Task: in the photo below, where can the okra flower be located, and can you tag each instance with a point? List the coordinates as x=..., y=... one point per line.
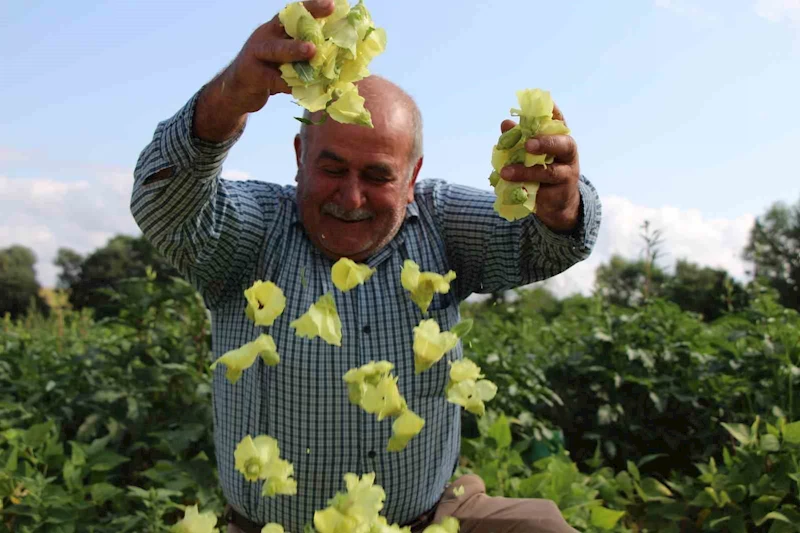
x=253, y=456
x=195, y=522
x=404, y=428
x=370, y=374
x=518, y=200
x=381, y=525
x=383, y=399
x=430, y=344
x=354, y=511
x=466, y=389
x=422, y=285
x=346, y=41
x=265, y=302
x=238, y=360
x=279, y=479
x=321, y=320
x=347, y=274
x=272, y=528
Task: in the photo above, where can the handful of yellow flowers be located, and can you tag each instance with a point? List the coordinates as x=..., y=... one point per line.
x=517, y=200
x=346, y=42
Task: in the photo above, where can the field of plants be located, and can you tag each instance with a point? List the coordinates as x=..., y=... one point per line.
x=631, y=418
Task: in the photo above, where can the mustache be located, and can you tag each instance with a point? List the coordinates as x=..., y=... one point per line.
x=355, y=215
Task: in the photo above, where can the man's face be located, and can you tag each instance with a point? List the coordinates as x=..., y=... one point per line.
x=354, y=183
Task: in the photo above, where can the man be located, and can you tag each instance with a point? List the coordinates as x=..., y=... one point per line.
x=356, y=196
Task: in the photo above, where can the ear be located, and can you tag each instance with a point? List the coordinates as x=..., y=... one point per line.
x=413, y=179
x=298, y=149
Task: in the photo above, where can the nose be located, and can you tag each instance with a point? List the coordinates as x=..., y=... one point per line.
x=350, y=194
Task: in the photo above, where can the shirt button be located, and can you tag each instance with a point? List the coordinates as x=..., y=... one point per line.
x=371, y=454
x=365, y=329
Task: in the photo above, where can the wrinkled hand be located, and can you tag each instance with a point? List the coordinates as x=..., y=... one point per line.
x=558, y=198
x=255, y=74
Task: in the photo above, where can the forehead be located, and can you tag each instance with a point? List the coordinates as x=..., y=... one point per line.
x=390, y=139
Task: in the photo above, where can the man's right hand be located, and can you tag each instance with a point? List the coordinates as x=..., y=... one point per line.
x=253, y=76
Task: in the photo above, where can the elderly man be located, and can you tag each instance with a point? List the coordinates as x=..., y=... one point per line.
x=356, y=196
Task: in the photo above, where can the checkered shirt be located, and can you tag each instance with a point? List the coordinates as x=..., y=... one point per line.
x=222, y=235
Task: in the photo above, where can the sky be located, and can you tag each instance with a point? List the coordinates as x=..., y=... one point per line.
x=685, y=112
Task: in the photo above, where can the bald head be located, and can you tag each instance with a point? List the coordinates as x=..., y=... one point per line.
x=384, y=99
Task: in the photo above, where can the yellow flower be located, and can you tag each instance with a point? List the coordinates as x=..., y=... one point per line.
x=511, y=205
x=464, y=369
x=349, y=109
x=422, y=285
x=534, y=103
x=459, y=491
x=278, y=474
x=383, y=399
x=265, y=302
x=195, y=522
x=430, y=344
x=272, y=528
x=290, y=17
x=321, y=320
x=449, y=524
x=346, y=274
x=253, y=456
x=404, y=428
x=238, y=360
x=358, y=379
x=471, y=394
x=354, y=511
x=313, y=97
x=381, y=525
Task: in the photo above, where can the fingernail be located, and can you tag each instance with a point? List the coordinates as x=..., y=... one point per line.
x=307, y=48
x=534, y=145
x=507, y=173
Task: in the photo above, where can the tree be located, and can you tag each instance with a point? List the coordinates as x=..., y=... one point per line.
x=774, y=250
x=707, y=291
x=123, y=257
x=70, y=262
x=628, y=283
x=18, y=285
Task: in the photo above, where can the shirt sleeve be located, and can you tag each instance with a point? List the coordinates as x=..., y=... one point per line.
x=491, y=254
x=207, y=227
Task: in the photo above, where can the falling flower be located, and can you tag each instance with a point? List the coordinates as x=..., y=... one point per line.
x=321, y=320
x=238, y=360
x=195, y=522
x=265, y=302
x=430, y=344
x=347, y=274
x=423, y=285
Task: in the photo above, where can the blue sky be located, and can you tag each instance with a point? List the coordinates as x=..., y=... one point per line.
x=682, y=105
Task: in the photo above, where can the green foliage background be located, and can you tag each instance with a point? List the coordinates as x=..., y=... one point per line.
x=644, y=418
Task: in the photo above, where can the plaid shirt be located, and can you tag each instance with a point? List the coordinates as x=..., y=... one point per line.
x=223, y=235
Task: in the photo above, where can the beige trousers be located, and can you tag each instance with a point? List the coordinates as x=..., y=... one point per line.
x=479, y=513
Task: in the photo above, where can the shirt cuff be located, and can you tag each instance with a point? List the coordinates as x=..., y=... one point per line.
x=582, y=238
x=181, y=145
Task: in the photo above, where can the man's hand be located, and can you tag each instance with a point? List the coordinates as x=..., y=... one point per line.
x=558, y=199
x=253, y=76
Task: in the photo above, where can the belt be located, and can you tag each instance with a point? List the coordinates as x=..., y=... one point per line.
x=230, y=516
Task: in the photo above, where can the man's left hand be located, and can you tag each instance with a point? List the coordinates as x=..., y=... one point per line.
x=558, y=199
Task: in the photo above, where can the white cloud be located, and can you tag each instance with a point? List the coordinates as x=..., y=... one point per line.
x=779, y=10
x=46, y=214
x=686, y=234
x=238, y=175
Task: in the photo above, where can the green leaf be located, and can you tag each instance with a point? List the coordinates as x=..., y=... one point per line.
x=763, y=506
x=107, y=460
x=462, y=328
x=304, y=71
x=774, y=515
x=791, y=433
x=647, y=458
x=605, y=518
x=501, y=432
x=739, y=431
x=634, y=471
x=37, y=434
x=655, y=490
x=770, y=443
x=103, y=492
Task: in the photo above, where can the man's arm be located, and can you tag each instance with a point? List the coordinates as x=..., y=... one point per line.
x=490, y=254
x=206, y=227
